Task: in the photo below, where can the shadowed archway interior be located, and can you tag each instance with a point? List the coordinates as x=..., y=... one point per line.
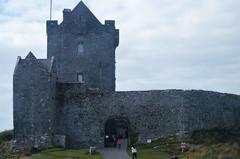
x=115, y=128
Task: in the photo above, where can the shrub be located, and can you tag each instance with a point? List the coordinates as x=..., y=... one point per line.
x=6, y=135
x=8, y=152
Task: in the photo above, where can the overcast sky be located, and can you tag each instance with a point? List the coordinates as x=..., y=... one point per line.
x=164, y=44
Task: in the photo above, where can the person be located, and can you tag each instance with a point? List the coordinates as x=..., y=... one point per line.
x=174, y=157
x=134, y=152
x=119, y=142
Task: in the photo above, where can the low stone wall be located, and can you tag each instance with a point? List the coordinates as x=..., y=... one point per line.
x=82, y=114
x=40, y=141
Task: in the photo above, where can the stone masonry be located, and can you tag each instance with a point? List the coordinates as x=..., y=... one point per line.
x=66, y=99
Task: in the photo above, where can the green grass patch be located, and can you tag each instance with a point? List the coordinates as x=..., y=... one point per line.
x=205, y=144
x=215, y=151
x=163, y=148
x=216, y=136
x=57, y=153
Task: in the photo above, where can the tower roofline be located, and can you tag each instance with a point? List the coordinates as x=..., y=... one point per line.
x=30, y=56
x=81, y=6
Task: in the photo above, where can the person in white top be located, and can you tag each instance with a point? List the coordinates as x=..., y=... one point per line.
x=134, y=152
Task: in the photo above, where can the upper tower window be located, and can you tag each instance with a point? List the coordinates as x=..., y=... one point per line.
x=80, y=48
x=80, y=78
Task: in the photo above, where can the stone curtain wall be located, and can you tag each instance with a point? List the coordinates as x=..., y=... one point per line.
x=82, y=113
x=206, y=110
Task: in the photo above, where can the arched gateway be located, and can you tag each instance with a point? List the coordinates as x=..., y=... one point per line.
x=115, y=128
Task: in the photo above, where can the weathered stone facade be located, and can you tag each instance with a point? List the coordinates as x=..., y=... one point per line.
x=80, y=29
x=34, y=87
x=52, y=106
x=82, y=113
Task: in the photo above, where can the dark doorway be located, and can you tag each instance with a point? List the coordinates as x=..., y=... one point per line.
x=115, y=128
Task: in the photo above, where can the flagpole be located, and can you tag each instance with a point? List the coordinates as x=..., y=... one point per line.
x=50, y=9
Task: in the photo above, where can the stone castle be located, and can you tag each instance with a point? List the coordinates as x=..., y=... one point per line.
x=69, y=99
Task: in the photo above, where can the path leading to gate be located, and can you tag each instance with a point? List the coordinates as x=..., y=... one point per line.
x=115, y=153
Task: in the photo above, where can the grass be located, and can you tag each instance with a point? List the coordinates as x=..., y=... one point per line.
x=210, y=144
x=7, y=152
x=163, y=148
x=205, y=144
x=215, y=151
x=57, y=153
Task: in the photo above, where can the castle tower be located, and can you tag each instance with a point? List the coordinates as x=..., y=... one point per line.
x=84, y=49
x=34, y=85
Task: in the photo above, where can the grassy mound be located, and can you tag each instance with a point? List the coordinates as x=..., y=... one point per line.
x=205, y=144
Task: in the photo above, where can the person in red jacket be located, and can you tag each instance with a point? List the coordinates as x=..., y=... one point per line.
x=119, y=142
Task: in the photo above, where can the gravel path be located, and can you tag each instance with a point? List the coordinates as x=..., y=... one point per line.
x=115, y=153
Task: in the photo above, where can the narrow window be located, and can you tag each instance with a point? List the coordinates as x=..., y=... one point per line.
x=80, y=18
x=80, y=48
x=80, y=78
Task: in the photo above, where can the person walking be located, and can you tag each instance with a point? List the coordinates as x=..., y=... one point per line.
x=119, y=142
x=134, y=152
